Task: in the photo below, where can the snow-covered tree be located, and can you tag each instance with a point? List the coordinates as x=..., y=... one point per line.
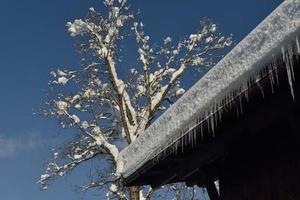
x=107, y=110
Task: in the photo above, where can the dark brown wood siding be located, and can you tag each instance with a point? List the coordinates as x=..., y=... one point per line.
x=267, y=168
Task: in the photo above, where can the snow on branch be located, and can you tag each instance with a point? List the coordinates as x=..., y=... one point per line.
x=102, y=40
x=196, y=51
x=104, y=109
x=76, y=157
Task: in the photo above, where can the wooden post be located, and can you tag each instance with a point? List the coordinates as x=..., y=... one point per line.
x=212, y=191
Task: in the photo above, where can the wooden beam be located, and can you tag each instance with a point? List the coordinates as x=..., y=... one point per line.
x=212, y=191
x=259, y=111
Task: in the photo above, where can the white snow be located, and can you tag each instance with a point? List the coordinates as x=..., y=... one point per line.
x=142, y=195
x=198, y=61
x=85, y=124
x=76, y=156
x=147, y=37
x=180, y=92
x=195, y=37
x=78, y=27
x=167, y=40
x=96, y=130
x=61, y=73
x=231, y=74
x=76, y=119
x=89, y=93
x=44, y=176
x=119, y=22
x=62, y=105
x=208, y=39
x=213, y=28
x=175, y=52
x=53, y=74
x=77, y=106
x=113, y=188
x=55, y=155
x=62, y=80
x=75, y=98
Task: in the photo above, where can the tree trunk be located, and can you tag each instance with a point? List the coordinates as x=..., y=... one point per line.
x=134, y=193
x=212, y=191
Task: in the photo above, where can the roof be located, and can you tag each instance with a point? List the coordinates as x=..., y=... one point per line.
x=277, y=34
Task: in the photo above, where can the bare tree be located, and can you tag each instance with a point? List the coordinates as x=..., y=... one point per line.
x=106, y=110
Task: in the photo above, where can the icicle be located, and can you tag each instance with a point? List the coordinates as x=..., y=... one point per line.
x=237, y=113
x=237, y=107
x=283, y=53
x=186, y=141
x=165, y=152
x=241, y=104
x=182, y=144
x=226, y=100
x=229, y=100
x=189, y=134
x=298, y=45
x=212, y=124
x=201, y=130
x=195, y=137
x=289, y=72
x=246, y=93
x=190, y=138
x=271, y=83
x=216, y=117
x=275, y=68
x=208, y=124
x=173, y=147
x=217, y=113
x=271, y=78
x=261, y=89
x=193, y=133
x=290, y=54
x=220, y=115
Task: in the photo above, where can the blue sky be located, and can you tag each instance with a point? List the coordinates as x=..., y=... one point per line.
x=33, y=41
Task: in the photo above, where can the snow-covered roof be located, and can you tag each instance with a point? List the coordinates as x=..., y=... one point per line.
x=275, y=35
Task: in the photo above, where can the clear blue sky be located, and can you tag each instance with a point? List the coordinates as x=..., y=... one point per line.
x=33, y=41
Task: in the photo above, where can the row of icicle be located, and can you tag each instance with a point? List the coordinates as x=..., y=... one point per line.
x=213, y=116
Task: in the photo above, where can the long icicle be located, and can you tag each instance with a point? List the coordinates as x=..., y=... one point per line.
x=289, y=71
x=298, y=45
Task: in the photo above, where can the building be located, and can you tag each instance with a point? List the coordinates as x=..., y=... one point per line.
x=239, y=124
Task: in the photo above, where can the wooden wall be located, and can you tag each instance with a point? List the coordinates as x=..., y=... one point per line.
x=264, y=166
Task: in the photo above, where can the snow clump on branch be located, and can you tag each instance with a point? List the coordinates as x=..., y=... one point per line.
x=78, y=27
x=107, y=110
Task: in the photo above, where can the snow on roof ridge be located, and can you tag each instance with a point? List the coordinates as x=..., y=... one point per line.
x=242, y=63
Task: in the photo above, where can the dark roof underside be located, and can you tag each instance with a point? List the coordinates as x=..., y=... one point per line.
x=194, y=162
